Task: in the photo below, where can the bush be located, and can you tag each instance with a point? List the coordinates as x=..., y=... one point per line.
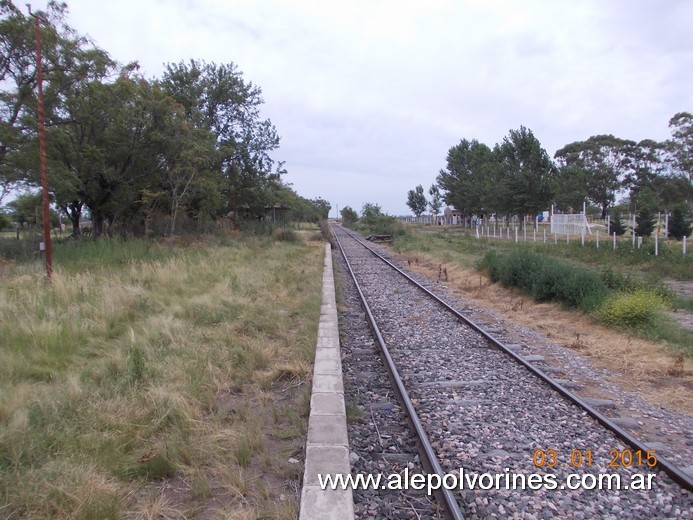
x=546, y=279
x=616, y=225
x=679, y=226
x=635, y=309
x=491, y=262
x=521, y=269
x=645, y=222
x=617, y=281
x=20, y=250
x=582, y=289
x=285, y=235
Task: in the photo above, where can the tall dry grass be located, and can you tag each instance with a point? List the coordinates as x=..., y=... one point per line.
x=131, y=372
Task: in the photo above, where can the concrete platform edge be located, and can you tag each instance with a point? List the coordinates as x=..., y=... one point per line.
x=327, y=447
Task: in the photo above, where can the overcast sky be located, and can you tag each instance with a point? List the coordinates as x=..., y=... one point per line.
x=369, y=95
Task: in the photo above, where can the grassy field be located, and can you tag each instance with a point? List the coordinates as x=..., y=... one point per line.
x=669, y=264
x=150, y=381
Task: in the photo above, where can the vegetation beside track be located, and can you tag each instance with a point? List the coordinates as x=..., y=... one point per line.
x=153, y=379
x=623, y=289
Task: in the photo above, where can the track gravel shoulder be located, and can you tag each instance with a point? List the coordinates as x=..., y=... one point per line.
x=457, y=402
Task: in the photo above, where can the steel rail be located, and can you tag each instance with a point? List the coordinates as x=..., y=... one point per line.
x=676, y=474
x=430, y=459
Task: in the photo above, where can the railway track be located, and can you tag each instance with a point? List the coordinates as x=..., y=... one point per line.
x=520, y=438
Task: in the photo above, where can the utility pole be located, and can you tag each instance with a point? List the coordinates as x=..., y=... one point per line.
x=42, y=152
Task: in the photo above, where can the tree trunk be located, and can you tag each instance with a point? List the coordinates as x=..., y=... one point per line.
x=97, y=221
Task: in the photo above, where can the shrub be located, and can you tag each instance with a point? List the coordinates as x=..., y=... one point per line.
x=617, y=281
x=616, y=225
x=582, y=289
x=285, y=235
x=634, y=309
x=20, y=250
x=645, y=222
x=548, y=281
x=491, y=263
x=679, y=226
x=521, y=269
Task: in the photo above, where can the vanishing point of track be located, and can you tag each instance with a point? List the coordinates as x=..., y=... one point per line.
x=475, y=403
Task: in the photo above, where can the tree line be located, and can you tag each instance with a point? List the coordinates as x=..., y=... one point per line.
x=139, y=154
x=518, y=177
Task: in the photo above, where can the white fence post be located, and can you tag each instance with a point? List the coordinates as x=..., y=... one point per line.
x=608, y=225
x=597, y=239
x=614, y=240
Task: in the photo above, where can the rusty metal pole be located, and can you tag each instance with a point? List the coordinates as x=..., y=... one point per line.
x=42, y=153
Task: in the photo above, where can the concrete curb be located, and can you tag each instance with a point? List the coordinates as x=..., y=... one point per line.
x=327, y=448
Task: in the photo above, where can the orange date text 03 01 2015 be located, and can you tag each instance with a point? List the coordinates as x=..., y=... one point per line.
x=582, y=458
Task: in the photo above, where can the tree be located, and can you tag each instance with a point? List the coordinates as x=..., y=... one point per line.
x=645, y=222
x=436, y=202
x=322, y=207
x=68, y=59
x=527, y=173
x=416, y=200
x=28, y=209
x=101, y=155
x=569, y=187
x=228, y=107
x=680, y=146
x=469, y=180
x=370, y=212
x=616, y=225
x=5, y=220
x=605, y=159
x=349, y=216
x=679, y=226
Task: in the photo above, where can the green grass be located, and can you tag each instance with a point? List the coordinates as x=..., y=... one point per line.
x=115, y=375
x=468, y=249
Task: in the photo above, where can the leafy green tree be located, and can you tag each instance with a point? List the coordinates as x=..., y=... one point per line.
x=468, y=182
x=416, y=200
x=18, y=105
x=679, y=226
x=569, y=188
x=229, y=107
x=680, y=146
x=101, y=158
x=605, y=159
x=349, y=216
x=527, y=173
x=370, y=212
x=5, y=220
x=436, y=202
x=322, y=208
x=28, y=209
